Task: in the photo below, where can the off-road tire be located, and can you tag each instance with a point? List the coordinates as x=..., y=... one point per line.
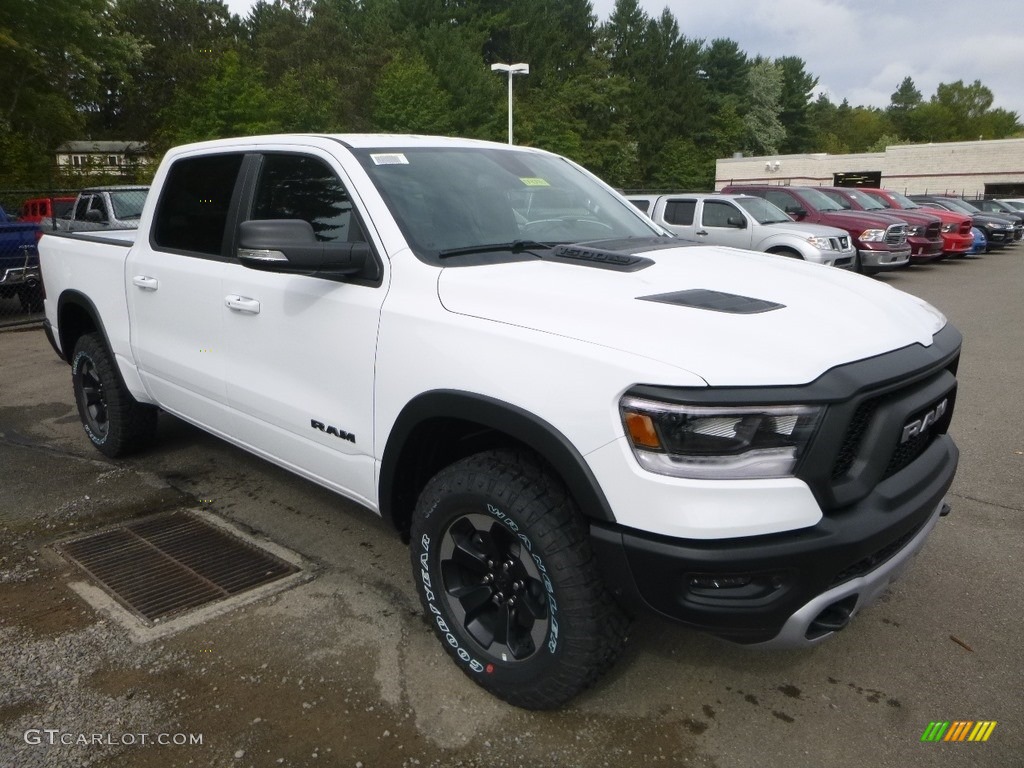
x=114, y=421
x=564, y=628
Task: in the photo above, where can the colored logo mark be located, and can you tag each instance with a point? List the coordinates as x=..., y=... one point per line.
x=959, y=730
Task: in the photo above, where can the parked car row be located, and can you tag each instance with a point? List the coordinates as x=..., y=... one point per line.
x=1000, y=228
x=95, y=208
x=866, y=229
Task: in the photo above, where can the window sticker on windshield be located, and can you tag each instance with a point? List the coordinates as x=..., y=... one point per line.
x=534, y=182
x=391, y=158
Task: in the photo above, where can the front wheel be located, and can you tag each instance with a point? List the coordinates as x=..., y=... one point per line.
x=504, y=569
x=115, y=422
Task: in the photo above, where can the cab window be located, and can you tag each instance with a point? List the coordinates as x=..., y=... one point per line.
x=192, y=212
x=680, y=212
x=302, y=187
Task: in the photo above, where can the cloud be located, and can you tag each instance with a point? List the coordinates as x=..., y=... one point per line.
x=861, y=50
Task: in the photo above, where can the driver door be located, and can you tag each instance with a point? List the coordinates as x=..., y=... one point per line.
x=300, y=349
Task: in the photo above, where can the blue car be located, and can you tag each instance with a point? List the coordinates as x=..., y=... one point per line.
x=980, y=242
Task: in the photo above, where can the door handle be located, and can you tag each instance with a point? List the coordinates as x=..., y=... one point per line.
x=702, y=232
x=242, y=304
x=146, y=283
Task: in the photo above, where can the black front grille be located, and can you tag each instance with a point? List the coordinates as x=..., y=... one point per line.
x=885, y=433
x=934, y=231
x=854, y=435
x=867, y=564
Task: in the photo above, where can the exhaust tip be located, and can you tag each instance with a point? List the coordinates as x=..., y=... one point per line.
x=833, y=618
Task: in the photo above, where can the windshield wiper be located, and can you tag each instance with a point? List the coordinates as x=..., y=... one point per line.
x=516, y=246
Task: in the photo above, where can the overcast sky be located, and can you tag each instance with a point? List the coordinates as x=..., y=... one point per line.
x=860, y=50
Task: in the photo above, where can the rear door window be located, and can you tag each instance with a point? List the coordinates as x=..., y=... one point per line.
x=192, y=213
x=680, y=212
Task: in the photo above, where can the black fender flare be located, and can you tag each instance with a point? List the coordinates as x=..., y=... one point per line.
x=78, y=299
x=525, y=427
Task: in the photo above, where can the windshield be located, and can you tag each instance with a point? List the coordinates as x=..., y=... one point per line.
x=763, y=211
x=903, y=201
x=866, y=201
x=127, y=203
x=820, y=201
x=960, y=205
x=449, y=199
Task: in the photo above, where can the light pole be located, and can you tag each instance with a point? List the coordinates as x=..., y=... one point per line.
x=512, y=69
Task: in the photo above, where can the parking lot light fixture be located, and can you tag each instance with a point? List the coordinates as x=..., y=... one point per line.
x=512, y=69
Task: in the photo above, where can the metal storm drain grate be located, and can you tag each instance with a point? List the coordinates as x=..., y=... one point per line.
x=171, y=563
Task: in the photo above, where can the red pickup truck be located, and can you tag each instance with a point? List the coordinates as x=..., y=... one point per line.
x=957, y=238
x=39, y=208
x=924, y=230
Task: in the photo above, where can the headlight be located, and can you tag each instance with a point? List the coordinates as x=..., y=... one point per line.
x=951, y=227
x=718, y=442
x=822, y=243
x=873, y=236
x=916, y=231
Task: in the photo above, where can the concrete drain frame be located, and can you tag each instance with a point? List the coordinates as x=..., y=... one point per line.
x=160, y=574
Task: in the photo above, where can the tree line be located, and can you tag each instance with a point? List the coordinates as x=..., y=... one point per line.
x=632, y=98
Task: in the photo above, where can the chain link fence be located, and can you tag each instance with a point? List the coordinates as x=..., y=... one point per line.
x=28, y=213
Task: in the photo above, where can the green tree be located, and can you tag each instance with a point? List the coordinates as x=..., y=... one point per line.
x=667, y=98
x=409, y=98
x=902, y=103
x=52, y=62
x=182, y=44
x=231, y=102
x=765, y=133
x=794, y=103
x=725, y=69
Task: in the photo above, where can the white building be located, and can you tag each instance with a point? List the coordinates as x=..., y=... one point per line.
x=962, y=168
x=112, y=156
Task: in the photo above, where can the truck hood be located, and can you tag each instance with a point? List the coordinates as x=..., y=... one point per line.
x=862, y=219
x=803, y=229
x=731, y=317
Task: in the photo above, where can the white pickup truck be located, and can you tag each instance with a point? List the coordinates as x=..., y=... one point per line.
x=568, y=413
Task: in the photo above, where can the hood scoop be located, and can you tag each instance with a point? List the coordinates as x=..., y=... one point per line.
x=716, y=301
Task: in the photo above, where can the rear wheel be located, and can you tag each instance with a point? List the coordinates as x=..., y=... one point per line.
x=115, y=422
x=504, y=569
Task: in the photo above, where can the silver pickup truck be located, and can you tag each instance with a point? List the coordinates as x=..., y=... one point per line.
x=102, y=208
x=744, y=221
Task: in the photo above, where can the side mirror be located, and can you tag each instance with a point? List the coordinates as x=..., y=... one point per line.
x=796, y=211
x=290, y=245
x=736, y=222
x=94, y=216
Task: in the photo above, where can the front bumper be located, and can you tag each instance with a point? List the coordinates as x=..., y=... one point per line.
x=15, y=276
x=923, y=250
x=884, y=259
x=774, y=589
x=955, y=244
